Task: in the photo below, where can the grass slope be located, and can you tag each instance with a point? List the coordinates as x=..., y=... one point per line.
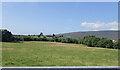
x=36, y=53
x=110, y=34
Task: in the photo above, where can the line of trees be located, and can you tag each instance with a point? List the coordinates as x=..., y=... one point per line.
x=90, y=41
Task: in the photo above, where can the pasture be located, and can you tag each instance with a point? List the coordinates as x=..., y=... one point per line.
x=40, y=53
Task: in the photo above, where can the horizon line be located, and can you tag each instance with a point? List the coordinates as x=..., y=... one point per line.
x=61, y=32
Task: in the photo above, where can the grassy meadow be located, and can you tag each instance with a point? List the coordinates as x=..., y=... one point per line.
x=40, y=53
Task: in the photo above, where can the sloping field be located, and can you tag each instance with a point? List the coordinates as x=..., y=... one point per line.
x=36, y=53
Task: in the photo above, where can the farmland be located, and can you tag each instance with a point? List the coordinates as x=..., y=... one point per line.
x=41, y=53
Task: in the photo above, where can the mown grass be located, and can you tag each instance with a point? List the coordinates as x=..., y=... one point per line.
x=39, y=53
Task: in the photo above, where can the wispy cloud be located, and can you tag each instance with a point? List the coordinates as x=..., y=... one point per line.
x=100, y=25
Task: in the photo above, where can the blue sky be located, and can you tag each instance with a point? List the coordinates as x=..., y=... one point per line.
x=58, y=17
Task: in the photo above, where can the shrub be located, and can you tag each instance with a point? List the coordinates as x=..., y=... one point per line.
x=7, y=36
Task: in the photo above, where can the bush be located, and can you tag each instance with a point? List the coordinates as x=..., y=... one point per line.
x=7, y=36
x=116, y=45
x=90, y=41
x=44, y=39
x=93, y=41
x=105, y=43
x=28, y=38
x=18, y=39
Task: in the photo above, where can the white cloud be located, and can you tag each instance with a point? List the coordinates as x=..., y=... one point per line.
x=101, y=25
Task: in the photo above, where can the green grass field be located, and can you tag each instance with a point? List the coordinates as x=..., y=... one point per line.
x=39, y=53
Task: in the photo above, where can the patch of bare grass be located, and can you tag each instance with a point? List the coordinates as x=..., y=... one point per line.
x=6, y=48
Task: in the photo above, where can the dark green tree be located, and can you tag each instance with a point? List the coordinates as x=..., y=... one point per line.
x=41, y=34
x=7, y=36
x=53, y=35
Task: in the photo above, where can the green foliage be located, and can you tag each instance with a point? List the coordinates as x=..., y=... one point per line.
x=90, y=41
x=105, y=43
x=116, y=45
x=55, y=38
x=18, y=38
x=41, y=34
x=68, y=40
x=93, y=41
x=53, y=35
x=44, y=39
x=7, y=36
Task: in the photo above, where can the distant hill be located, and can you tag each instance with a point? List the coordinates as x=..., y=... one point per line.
x=110, y=34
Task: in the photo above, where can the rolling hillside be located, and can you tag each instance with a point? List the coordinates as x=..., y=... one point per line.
x=110, y=34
